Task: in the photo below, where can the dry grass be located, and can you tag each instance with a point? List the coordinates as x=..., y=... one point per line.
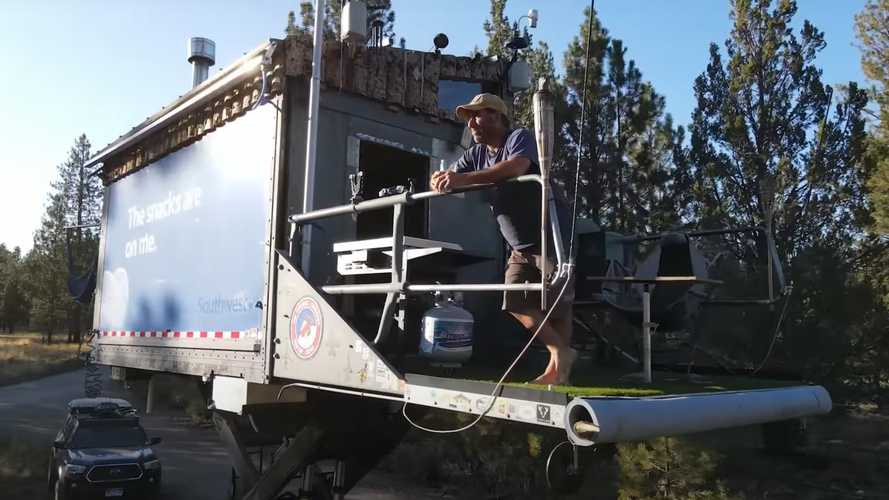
x=22, y=460
x=25, y=357
x=22, y=470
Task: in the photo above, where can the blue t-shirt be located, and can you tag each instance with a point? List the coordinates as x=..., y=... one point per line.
x=515, y=205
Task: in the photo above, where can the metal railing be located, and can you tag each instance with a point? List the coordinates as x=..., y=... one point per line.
x=399, y=284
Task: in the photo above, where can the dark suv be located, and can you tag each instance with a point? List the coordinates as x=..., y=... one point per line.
x=102, y=452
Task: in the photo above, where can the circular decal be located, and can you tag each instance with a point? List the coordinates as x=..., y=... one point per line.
x=306, y=328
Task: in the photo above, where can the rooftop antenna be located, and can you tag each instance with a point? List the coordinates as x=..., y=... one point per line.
x=201, y=55
x=312, y=131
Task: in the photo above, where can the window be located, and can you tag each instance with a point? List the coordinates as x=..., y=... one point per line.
x=385, y=167
x=452, y=93
x=107, y=434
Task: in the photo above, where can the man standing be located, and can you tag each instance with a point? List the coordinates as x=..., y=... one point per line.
x=499, y=154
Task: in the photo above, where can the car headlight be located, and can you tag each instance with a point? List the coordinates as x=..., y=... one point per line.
x=75, y=469
x=152, y=465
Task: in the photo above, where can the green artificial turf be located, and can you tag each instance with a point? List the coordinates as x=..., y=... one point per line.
x=595, y=380
x=613, y=384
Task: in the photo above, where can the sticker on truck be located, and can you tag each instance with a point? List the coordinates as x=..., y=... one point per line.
x=306, y=328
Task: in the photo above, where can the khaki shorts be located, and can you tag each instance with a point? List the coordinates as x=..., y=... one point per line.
x=525, y=267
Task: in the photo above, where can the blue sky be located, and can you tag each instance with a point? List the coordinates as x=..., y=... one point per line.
x=101, y=67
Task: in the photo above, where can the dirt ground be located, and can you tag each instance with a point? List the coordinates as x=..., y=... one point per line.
x=846, y=456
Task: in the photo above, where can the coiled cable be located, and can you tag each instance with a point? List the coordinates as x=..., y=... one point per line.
x=92, y=377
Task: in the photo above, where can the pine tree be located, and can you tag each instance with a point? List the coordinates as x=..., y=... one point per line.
x=667, y=469
x=870, y=345
x=763, y=142
x=769, y=149
x=47, y=270
x=498, y=30
x=626, y=162
x=74, y=202
x=13, y=302
x=627, y=172
x=379, y=13
x=332, y=10
x=872, y=28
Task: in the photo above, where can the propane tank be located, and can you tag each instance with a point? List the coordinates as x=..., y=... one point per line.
x=447, y=332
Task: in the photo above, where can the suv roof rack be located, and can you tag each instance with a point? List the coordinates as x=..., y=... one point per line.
x=101, y=407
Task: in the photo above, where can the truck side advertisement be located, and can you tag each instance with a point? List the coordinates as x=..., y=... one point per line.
x=186, y=241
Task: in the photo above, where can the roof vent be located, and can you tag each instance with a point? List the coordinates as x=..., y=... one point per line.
x=353, y=22
x=201, y=55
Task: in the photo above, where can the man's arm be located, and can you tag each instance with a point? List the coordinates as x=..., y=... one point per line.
x=499, y=172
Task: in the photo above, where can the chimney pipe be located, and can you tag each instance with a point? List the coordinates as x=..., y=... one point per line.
x=201, y=55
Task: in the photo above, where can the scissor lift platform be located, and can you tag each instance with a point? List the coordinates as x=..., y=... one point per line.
x=621, y=409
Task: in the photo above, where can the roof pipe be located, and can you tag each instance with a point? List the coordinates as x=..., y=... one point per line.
x=543, y=133
x=312, y=132
x=201, y=55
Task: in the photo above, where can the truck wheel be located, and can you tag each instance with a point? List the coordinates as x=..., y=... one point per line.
x=49, y=483
x=563, y=474
x=783, y=437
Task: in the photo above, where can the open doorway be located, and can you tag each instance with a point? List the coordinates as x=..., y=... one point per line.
x=386, y=167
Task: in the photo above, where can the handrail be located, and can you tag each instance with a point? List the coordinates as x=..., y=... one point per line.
x=409, y=198
x=372, y=288
x=395, y=199
x=399, y=285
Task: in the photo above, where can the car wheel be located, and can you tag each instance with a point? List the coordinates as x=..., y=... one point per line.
x=155, y=493
x=57, y=493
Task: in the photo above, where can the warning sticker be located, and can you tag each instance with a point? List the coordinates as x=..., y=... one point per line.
x=543, y=415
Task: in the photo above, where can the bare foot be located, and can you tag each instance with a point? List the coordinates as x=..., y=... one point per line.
x=548, y=378
x=550, y=374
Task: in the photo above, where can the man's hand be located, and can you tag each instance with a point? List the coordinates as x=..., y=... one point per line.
x=446, y=180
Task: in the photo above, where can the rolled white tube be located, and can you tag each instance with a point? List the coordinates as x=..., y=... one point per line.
x=634, y=419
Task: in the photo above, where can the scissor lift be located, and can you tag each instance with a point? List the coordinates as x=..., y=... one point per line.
x=353, y=365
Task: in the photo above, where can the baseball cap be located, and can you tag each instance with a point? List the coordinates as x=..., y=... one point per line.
x=481, y=101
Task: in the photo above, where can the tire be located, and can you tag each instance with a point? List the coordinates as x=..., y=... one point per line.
x=783, y=437
x=58, y=491
x=49, y=480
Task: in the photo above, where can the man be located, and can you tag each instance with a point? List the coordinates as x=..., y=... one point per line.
x=499, y=154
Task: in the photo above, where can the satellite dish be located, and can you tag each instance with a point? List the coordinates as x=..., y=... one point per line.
x=441, y=41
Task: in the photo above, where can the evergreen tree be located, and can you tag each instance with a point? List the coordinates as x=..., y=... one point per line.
x=379, y=13
x=46, y=270
x=498, y=30
x=332, y=11
x=667, y=469
x=872, y=28
x=74, y=202
x=627, y=168
x=82, y=204
x=767, y=149
x=763, y=141
x=13, y=302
